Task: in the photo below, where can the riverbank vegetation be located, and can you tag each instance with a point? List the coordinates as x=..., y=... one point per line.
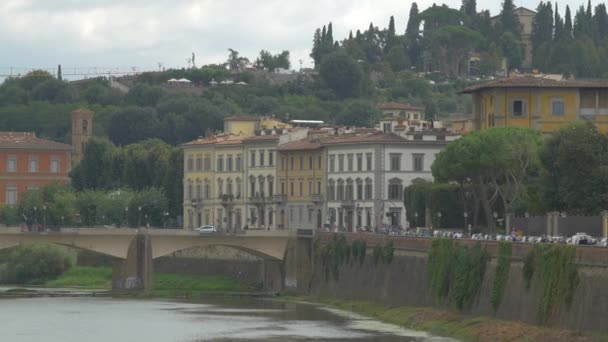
x=34, y=264
x=456, y=272
x=453, y=324
x=165, y=284
x=557, y=277
x=503, y=265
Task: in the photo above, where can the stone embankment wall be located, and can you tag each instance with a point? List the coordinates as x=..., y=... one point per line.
x=405, y=281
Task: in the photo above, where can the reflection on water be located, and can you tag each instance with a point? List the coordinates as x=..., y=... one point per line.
x=102, y=319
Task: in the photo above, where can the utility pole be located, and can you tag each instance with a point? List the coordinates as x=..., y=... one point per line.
x=193, y=61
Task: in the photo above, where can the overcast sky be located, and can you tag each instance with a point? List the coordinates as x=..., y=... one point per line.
x=141, y=33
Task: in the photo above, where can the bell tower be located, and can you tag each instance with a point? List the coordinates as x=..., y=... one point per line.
x=82, y=130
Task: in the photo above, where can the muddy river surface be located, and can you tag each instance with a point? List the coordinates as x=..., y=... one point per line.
x=116, y=320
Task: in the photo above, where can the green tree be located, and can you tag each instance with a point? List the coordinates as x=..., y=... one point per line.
x=272, y=62
x=511, y=49
x=508, y=19
x=235, y=61
x=342, y=74
x=567, y=186
x=358, y=113
x=133, y=124
x=94, y=170
x=494, y=164
x=144, y=95
x=412, y=36
x=397, y=58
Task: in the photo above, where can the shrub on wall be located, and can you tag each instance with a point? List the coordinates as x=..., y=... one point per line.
x=503, y=264
x=35, y=264
x=557, y=277
x=456, y=272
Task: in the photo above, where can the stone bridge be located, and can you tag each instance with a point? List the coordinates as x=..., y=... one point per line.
x=134, y=249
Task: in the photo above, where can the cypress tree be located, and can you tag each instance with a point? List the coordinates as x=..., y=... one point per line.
x=330, y=35
x=316, y=48
x=413, y=24
x=350, y=35
x=412, y=34
x=568, y=24
x=580, y=19
x=359, y=36
x=59, y=75
x=542, y=31
x=390, y=35
x=600, y=23
x=558, y=25
x=469, y=7
x=508, y=20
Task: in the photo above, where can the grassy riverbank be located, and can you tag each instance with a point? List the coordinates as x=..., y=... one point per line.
x=165, y=284
x=453, y=324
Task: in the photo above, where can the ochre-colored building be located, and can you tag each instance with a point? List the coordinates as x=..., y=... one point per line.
x=538, y=102
x=28, y=162
x=301, y=181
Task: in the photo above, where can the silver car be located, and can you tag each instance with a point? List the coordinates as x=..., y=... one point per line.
x=207, y=229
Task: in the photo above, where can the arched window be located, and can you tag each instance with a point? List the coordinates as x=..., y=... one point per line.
x=359, y=189
x=85, y=126
x=190, y=190
x=238, y=187
x=220, y=187
x=340, y=194
x=368, y=189
x=261, y=186
x=229, y=187
x=199, y=192
x=395, y=189
x=349, y=190
x=251, y=186
x=270, y=187
x=207, y=189
x=331, y=190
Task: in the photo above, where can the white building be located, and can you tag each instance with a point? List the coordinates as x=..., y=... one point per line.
x=366, y=175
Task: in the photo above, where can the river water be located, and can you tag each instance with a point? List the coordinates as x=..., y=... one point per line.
x=116, y=320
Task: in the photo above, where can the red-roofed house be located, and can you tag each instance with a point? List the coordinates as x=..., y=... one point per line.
x=28, y=162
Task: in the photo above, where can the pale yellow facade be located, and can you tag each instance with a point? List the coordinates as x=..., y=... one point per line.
x=302, y=182
x=544, y=109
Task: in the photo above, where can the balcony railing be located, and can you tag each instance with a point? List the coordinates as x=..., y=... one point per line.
x=318, y=198
x=348, y=203
x=280, y=199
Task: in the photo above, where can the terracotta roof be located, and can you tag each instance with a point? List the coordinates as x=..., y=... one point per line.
x=242, y=118
x=25, y=140
x=83, y=111
x=397, y=105
x=378, y=138
x=262, y=138
x=535, y=82
x=301, y=145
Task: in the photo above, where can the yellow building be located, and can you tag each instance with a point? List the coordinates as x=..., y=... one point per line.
x=539, y=102
x=301, y=184
x=199, y=175
x=249, y=125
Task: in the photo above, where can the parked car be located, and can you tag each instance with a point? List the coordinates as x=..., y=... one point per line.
x=582, y=239
x=207, y=229
x=604, y=242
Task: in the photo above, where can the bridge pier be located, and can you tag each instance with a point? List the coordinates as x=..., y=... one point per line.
x=135, y=273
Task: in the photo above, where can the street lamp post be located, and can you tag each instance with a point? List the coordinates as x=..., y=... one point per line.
x=166, y=216
x=36, y=218
x=439, y=219
x=44, y=217
x=126, y=216
x=139, y=217
x=416, y=219
x=466, y=221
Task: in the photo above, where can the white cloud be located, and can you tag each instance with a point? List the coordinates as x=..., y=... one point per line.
x=143, y=32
